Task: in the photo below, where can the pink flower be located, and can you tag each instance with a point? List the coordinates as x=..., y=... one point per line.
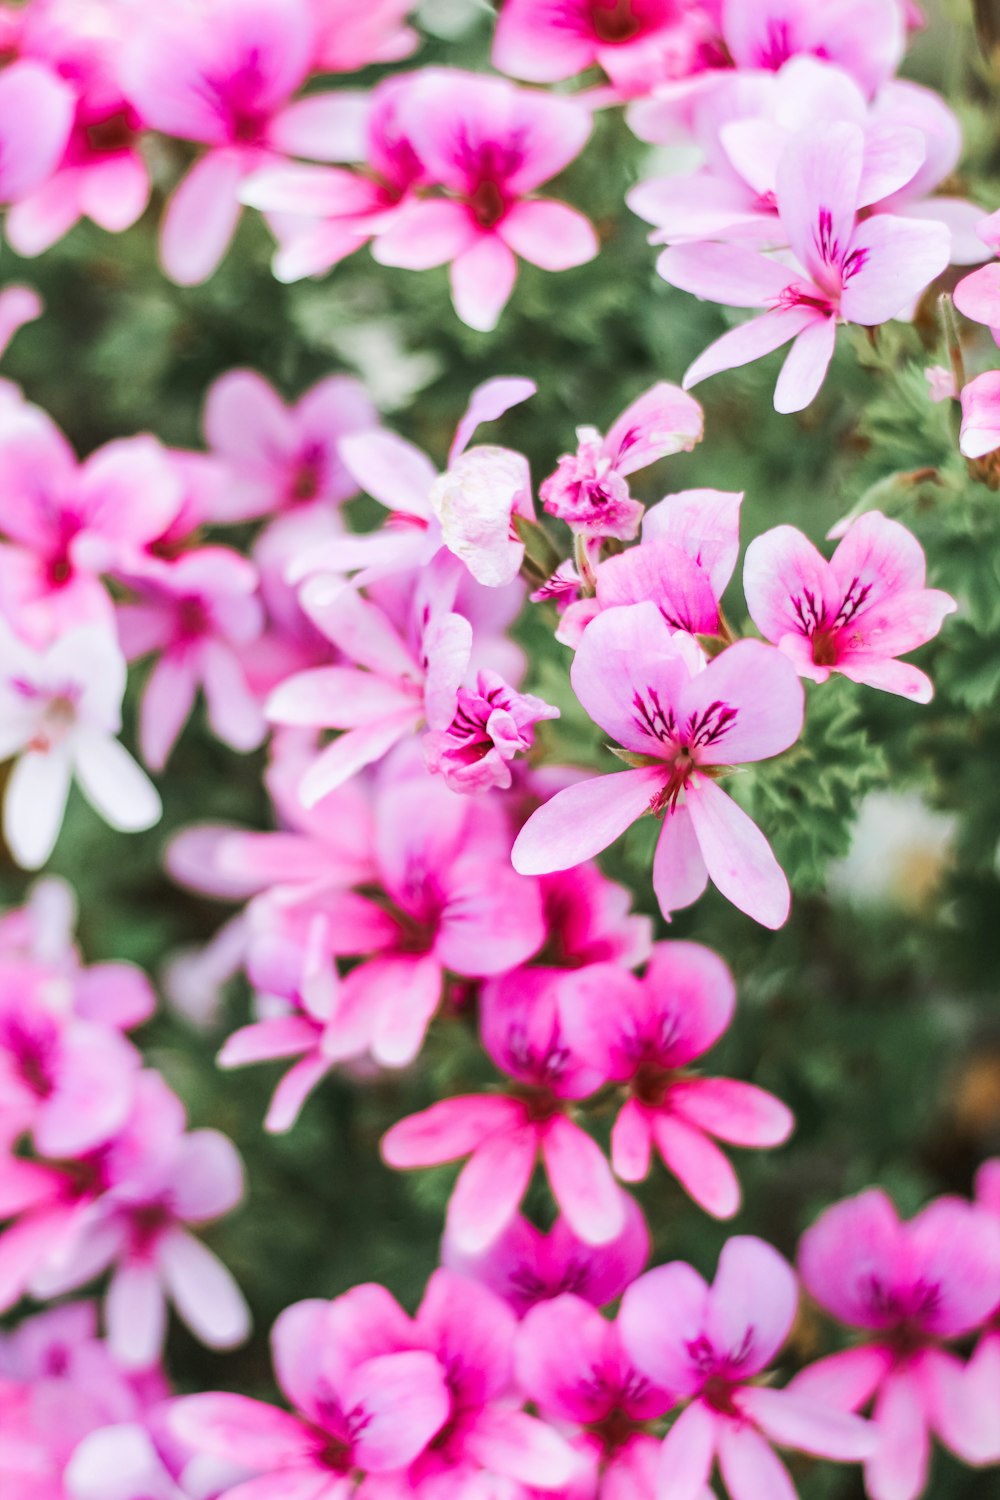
x=155, y=1179
x=66, y=1082
x=572, y=1364
x=690, y=543
x=864, y=37
x=60, y=711
x=983, y=1370
x=68, y=522
x=493, y=723
x=224, y=79
x=101, y=174
x=404, y=480
x=856, y=270
x=503, y=1134
x=980, y=400
x=471, y=1333
x=707, y=1344
x=589, y=489
x=282, y=457
x=320, y=215
x=680, y=720
x=397, y=681
x=911, y=1286
x=196, y=613
x=940, y=384
x=366, y=1398
x=645, y=1034
x=526, y=1267
x=589, y=920
x=350, y=37
x=489, y=144
x=36, y=113
x=637, y=44
x=854, y=614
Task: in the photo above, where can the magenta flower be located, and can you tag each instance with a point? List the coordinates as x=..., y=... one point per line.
x=646, y=1034
x=638, y=43
x=589, y=490
x=68, y=522
x=681, y=722
x=690, y=543
x=493, y=723
x=396, y=683
x=471, y=1333
x=197, y=614
x=912, y=1287
x=36, y=115
x=366, y=1399
x=225, y=80
x=707, y=1344
x=572, y=1364
x=503, y=1134
x=864, y=37
x=526, y=1267
x=350, y=37
x=489, y=145
x=282, y=457
x=60, y=712
x=589, y=920
x=854, y=614
x=403, y=479
x=857, y=270
x=153, y=1180
x=980, y=400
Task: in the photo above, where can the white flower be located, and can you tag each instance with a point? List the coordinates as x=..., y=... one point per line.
x=60, y=713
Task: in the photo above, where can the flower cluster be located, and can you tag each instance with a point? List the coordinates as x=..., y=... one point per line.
x=100, y=1172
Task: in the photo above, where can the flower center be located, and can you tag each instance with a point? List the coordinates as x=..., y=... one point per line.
x=614, y=20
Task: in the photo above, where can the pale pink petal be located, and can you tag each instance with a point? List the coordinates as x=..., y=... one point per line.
x=764, y=688
x=562, y=1345
x=665, y=573
x=208, y=1176
x=901, y=258
x=203, y=1291
x=845, y=1381
x=752, y=1303
x=898, y=1468
x=426, y=234
x=796, y=1421
x=200, y=218
x=664, y=420
x=631, y=1142
x=956, y=1247
x=490, y=1188
x=447, y=1130
x=687, y=1454
x=323, y=127
x=625, y=650
x=750, y=341
x=750, y=1468
x=581, y=1182
x=37, y=222
x=448, y=647
x=404, y=1002
x=541, y=45
x=958, y=1410
x=982, y=1382
x=783, y=569
x=817, y=184
x=680, y=874
x=282, y=1036
x=729, y=274
x=401, y=1401
x=487, y=403
x=581, y=820
x=394, y=472
x=662, y=1315
x=166, y=705
x=805, y=366
x=482, y=279
x=115, y=192
x=362, y=631
x=549, y=234
x=336, y=698
x=234, y=714
x=739, y=859
x=247, y=422
x=113, y=784
x=520, y=1447
x=698, y=1164
x=978, y=295
x=293, y=1091
x=36, y=112
x=981, y=415
x=247, y=1433
x=136, y=1315
x=890, y=677
x=349, y=753
x=733, y=1111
